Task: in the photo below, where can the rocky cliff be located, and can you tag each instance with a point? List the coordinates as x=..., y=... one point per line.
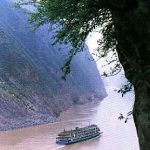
x=31, y=89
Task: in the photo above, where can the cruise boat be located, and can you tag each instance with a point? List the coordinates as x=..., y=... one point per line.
x=78, y=135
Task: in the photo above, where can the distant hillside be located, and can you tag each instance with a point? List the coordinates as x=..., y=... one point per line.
x=31, y=89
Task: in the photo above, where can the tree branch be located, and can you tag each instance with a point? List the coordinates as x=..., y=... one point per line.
x=117, y=4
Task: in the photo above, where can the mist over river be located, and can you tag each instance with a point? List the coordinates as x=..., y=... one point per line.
x=117, y=135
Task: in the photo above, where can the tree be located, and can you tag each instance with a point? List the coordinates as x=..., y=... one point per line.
x=126, y=29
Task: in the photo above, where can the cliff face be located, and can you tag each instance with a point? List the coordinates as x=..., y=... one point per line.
x=31, y=89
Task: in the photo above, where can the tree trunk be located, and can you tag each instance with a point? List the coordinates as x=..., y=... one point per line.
x=132, y=31
x=141, y=113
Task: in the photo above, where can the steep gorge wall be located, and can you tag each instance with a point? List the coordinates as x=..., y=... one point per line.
x=31, y=89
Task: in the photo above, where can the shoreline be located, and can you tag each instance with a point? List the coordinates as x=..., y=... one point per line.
x=35, y=120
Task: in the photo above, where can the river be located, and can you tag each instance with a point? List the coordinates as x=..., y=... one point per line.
x=117, y=135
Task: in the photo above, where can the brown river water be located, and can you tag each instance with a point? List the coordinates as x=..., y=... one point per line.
x=117, y=135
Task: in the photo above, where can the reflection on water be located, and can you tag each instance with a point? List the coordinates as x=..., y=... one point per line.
x=117, y=135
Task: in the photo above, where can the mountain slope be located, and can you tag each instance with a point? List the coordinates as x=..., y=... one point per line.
x=31, y=89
